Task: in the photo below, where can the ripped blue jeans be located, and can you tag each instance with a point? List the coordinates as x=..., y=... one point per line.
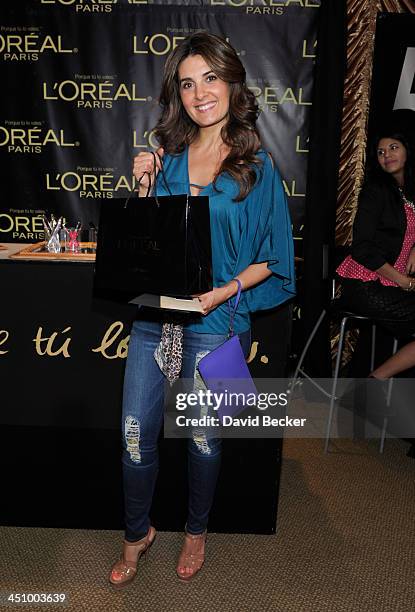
x=143, y=407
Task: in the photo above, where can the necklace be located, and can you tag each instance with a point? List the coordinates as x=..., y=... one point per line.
x=405, y=199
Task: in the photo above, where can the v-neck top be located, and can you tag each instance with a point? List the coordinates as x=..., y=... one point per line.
x=255, y=230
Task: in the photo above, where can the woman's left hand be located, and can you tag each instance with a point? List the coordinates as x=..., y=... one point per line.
x=410, y=266
x=212, y=299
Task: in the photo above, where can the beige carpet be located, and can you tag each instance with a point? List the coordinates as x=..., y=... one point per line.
x=345, y=543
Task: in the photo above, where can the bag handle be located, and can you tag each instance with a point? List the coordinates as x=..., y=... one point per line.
x=137, y=184
x=138, y=181
x=154, y=153
x=233, y=305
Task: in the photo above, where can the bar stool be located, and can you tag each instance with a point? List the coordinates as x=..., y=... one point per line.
x=345, y=316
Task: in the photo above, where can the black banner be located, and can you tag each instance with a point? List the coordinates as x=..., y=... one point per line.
x=80, y=85
x=393, y=80
x=82, y=79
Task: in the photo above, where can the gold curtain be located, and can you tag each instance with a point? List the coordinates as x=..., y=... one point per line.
x=360, y=44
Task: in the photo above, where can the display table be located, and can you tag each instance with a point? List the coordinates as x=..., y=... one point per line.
x=62, y=359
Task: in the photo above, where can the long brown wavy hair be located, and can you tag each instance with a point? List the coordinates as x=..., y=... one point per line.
x=175, y=129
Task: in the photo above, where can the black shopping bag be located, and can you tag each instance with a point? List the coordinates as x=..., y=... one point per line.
x=159, y=245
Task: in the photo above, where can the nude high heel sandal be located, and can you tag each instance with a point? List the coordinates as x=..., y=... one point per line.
x=192, y=556
x=124, y=570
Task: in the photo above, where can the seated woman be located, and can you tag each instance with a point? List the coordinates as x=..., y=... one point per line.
x=377, y=276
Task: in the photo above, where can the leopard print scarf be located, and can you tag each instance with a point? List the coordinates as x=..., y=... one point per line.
x=169, y=352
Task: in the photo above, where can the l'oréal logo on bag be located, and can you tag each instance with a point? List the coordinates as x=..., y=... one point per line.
x=145, y=245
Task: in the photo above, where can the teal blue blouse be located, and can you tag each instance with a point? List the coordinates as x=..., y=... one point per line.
x=255, y=230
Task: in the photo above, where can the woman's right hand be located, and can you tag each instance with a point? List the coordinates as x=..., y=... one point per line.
x=410, y=264
x=402, y=280
x=406, y=282
x=144, y=162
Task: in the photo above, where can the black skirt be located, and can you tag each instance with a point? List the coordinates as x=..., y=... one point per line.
x=391, y=307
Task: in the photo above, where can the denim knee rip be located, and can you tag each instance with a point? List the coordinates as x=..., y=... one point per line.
x=132, y=438
x=198, y=434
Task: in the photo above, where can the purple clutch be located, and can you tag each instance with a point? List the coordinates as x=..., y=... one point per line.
x=224, y=370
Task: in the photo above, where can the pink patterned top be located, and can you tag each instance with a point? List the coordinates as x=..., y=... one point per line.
x=349, y=268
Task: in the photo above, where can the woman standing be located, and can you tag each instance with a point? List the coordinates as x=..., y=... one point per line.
x=209, y=146
x=378, y=276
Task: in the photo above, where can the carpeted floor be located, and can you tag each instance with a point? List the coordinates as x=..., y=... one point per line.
x=345, y=543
